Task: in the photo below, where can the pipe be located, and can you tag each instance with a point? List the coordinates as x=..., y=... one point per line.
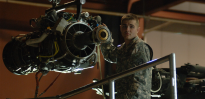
x=112, y=89
x=173, y=78
x=37, y=40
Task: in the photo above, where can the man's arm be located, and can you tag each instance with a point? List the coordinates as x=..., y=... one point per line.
x=109, y=52
x=143, y=78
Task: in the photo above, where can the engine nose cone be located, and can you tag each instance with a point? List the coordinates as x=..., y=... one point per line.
x=103, y=34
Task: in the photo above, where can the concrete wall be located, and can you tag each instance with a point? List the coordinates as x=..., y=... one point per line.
x=186, y=41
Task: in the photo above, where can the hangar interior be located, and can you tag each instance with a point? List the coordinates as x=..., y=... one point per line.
x=168, y=26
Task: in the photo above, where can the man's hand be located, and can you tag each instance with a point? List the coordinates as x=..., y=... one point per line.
x=102, y=33
x=95, y=29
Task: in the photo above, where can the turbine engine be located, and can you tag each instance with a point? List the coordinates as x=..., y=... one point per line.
x=63, y=42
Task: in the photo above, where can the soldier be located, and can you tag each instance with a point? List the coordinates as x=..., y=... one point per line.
x=131, y=53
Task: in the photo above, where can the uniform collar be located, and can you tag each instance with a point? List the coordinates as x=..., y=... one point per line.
x=134, y=40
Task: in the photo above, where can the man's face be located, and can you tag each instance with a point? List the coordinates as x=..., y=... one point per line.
x=129, y=29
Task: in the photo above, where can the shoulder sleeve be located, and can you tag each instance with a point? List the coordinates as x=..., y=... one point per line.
x=147, y=52
x=109, y=52
x=150, y=51
x=140, y=54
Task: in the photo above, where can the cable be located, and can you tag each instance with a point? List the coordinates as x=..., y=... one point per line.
x=160, y=78
x=37, y=84
x=50, y=85
x=56, y=50
x=40, y=78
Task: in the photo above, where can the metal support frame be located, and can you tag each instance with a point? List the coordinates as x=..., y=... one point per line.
x=112, y=89
x=111, y=79
x=172, y=66
x=173, y=79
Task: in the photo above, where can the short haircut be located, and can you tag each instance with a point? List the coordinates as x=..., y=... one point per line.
x=130, y=16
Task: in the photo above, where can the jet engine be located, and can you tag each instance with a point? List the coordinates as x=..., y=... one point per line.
x=62, y=42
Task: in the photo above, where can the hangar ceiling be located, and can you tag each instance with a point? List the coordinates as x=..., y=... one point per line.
x=179, y=11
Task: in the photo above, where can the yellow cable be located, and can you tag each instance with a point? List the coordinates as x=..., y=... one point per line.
x=69, y=19
x=56, y=51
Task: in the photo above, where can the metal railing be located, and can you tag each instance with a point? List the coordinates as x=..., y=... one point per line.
x=111, y=79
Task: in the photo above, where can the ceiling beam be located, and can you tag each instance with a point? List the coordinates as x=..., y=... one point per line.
x=164, y=7
x=179, y=16
x=185, y=12
x=130, y=4
x=197, y=1
x=106, y=5
x=142, y=7
x=15, y=15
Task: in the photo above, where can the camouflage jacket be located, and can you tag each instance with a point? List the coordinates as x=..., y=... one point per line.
x=135, y=86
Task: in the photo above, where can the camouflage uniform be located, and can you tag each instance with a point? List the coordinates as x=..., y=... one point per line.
x=135, y=86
